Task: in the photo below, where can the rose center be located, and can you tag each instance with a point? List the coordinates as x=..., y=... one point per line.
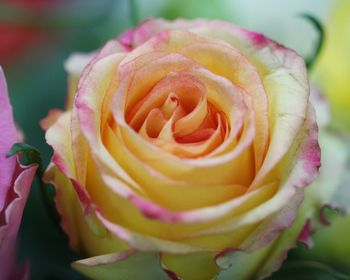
x=176, y=116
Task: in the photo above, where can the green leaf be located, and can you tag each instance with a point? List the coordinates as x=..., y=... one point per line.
x=29, y=155
x=310, y=61
x=305, y=270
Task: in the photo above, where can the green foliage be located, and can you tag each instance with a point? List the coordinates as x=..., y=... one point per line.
x=308, y=270
x=29, y=155
x=310, y=61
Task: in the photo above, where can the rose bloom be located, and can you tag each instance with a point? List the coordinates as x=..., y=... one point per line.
x=185, y=153
x=15, y=182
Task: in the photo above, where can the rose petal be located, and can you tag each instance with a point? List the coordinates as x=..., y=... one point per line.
x=13, y=216
x=9, y=136
x=75, y=222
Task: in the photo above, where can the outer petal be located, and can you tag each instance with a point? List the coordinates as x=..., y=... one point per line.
x=150, y=27
x=74, y=66
x=333, y=182
x=17, y=198
x=79, y=223
x=85, y=234
x=261, y=263
x=306, y=161
x=8, y=137
x=269, y=232
x=332, y=189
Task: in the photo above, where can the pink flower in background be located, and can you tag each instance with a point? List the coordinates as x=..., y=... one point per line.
x=18, y=38
x=15, y=182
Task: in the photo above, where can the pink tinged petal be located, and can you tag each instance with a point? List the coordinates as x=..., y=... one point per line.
x=310, y=151
x=110, y=48
x=126, y=39
x=263, y=252
x=150, y=27
x=179, y=168
x=123, y=265
x=278, y=67
x=78, y=219
x=74, y=66
x=79, y=148
x=304, y=171
x=280, y=231
x=65, y=203
x=239, y=70
x=12, y=219
x=333, y=182
x=144, y=242
x=288, y=111
x=195, y=266
x=58, y=136
x=89, y=106
x=8, y=137
x=22, y=272
x=206, y=51
x=305, y=235
x=167, y=192
x=89, y=209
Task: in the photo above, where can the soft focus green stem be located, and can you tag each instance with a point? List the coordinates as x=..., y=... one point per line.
x=310, y=61
x=133, y=12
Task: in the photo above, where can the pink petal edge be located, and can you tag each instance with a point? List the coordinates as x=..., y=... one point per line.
x=13, y=216
x=9, y=136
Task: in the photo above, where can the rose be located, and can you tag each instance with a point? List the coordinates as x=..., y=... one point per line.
x=187, y=150
x=112, y=183
x=15, y=182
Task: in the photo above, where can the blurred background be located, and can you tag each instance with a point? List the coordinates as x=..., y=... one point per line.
x=37, y=36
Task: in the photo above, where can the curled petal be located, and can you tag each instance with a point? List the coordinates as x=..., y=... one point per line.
x=12, y=217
